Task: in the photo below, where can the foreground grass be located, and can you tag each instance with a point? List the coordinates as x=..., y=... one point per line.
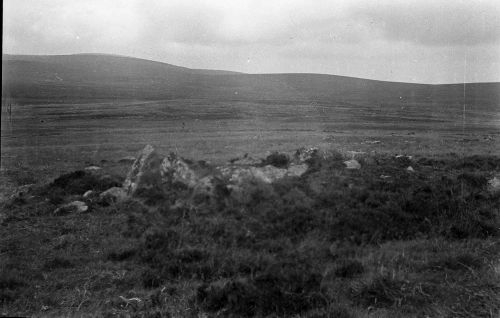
x=376, y=242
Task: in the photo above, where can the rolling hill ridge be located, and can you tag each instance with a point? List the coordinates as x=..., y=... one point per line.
x=99, y=77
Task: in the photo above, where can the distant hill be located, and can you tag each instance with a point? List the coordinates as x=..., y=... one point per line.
x=99, y=77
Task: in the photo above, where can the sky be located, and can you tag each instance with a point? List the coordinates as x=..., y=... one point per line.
x=423, y=41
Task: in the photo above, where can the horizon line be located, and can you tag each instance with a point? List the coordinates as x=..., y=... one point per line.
x=245, y=73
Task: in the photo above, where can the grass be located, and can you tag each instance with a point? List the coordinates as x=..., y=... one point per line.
x=331, y=243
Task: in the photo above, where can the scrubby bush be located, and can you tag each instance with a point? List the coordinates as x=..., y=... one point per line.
x=272, y=292
x=122, y=255
x=349, y=269
x=11, y=283
x=279, y=160
x=78, y=182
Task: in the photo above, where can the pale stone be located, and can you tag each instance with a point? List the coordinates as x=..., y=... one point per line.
x=352, y=164
x=72, y=207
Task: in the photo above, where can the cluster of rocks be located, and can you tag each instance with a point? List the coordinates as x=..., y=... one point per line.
x=151, y=170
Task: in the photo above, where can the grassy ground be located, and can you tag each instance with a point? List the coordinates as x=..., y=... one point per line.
x=375, y=242
x=39, y=142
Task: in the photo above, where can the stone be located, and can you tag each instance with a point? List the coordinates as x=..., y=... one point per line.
x=352, y=164
x=268, y=174
x=296, y=170
x=410, y=169
x=494, y=185
x=88, y=194
x=72, y=207
x=304, y=154
x=145, y=171
x=113, y=195
x=404, y=157
x=175, y=169
x=93, y=168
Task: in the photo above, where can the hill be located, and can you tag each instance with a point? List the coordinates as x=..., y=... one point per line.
x=96, y=77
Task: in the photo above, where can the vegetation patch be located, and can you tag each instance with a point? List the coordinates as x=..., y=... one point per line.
x=279, y=160
x=380, y=241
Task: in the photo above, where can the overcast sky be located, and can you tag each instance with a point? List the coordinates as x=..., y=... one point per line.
x=434, y=41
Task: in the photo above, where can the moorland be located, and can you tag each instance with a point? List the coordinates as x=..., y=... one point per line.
x=379, y=241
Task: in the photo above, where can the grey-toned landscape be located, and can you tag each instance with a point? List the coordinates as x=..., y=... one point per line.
x=246, y=185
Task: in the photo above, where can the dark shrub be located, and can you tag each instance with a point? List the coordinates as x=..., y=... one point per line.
x=151, y=278
x=279, y=160
x=58, y=262
x=160, y=241
x=485, y=163
x=349, y=269
x=474, y=179
x=11, y=285
x=78, y=182
x=281, y=292
x=154, y=195
x=237, y=296
x=381, y=292
x=122, y=255
x=191, y=255
x=384, y=292
x=472, y=227
x=56, y=196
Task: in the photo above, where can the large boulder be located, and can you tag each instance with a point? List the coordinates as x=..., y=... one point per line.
x=150, y=170
x=175, y=169
x=145, y=172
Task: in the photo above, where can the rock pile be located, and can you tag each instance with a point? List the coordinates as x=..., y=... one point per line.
x=151, y=170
